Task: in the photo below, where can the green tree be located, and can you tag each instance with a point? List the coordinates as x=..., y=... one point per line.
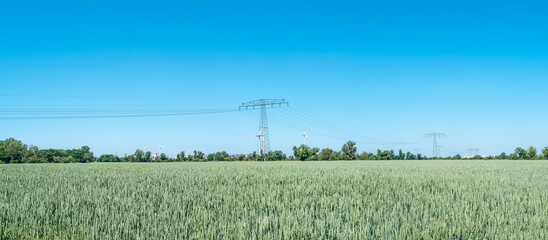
x=220, y=156
x=148, y=156
x=199, y=155
x=336, y=155
x=313, y=154
x=108, y=158
x=12, y=151
x=81, y=155
x=410, y=156
x=384, y=155
x=325, y=154
x=252, y=156
x=366, y=156
x=127, y=158
x=503, y=156
x=545, y=152
x=31, y=155
x=532, y=153
x=304, y=153
x=349, y=150
x=521, y=153
x=139, y=156
x=301, y=153
x=401, y=155
x=276, y=156
x=181, y=156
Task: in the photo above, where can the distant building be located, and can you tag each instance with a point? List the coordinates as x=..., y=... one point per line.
x=482, y=156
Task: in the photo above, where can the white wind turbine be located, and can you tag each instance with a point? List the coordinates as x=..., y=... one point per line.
x=261, y=141
x=160, y=148
x=156, y=155
x=305, y=137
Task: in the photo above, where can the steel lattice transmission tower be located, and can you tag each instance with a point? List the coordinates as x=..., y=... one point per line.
x=264, y=141
x=473, y=150
x=435, y=148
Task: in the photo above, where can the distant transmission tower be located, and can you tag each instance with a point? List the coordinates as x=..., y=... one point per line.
x=439, y=150
x=264, y=140
x=473, y=150
x=434, y=136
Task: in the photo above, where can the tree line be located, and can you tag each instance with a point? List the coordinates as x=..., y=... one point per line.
x=14, y=151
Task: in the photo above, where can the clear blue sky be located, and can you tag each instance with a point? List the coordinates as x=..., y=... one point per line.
x=389, y=71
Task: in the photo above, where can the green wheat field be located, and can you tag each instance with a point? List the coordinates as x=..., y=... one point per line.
x=276, y=200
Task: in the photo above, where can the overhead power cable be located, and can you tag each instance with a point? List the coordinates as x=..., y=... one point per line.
x=293, y=118
x=96, y=111
x=147, y=97
x=94, y=116
x=355, y=129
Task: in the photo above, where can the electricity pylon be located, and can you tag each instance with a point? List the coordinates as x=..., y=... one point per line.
x=264, y=141
x=473, y=150
x=434, y=136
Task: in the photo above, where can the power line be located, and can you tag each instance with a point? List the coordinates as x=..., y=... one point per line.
x=358, y=134
x=263, y=134
x=144, y=97
x=310, y=115
x=353, y=128
x=314, y=121
x=434, y=136
x=473, y=150
x=96, y=111
x=331, y=128
x=294, y=125
x=120, y=115
x=291, y=118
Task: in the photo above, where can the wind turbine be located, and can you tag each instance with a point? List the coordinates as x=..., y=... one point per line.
x=305, y=137
x=261, y=141
x=146, y=149
x=156, y=155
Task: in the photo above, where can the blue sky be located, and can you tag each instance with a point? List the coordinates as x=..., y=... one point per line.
x=379, y=73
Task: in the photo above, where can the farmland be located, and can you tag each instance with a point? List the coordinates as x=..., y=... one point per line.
x=278, y=200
